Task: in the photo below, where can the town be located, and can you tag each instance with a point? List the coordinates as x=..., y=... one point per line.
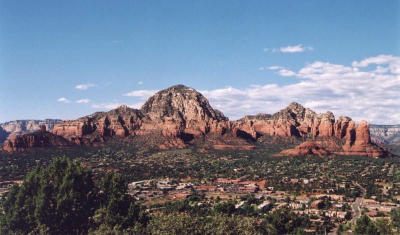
x=331, y=192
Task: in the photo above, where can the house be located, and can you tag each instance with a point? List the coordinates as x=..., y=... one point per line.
x=369, y=202
x=206, y=188
x=179, y=196
x=248, y=188
x=224, y=181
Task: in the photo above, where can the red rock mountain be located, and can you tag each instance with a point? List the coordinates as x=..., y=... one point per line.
x=41, y=138
x=180, y=115
x=341, y=136
x=11, y=129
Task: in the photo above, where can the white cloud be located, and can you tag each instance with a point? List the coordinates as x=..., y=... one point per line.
x=283, y=71
x=84, y=86
x=261, y=68
x=140, y=83
x=391, y=61
x=286, y=73
x=143, y=94
x=114, y=105
x=274, y=67
x=83, y=101
x=380, y=59
x=371, y=94
x=291, y=49
x=63, y=100
x=296, y=48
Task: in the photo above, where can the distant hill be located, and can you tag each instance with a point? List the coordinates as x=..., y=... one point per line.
x=19, y=127
x=385, y=134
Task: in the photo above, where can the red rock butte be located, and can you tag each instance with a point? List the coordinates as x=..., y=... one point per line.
x=180, y=115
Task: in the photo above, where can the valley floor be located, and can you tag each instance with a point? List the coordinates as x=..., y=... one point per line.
x=329, y=191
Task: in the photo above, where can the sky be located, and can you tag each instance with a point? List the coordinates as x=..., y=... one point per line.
x=67, y=59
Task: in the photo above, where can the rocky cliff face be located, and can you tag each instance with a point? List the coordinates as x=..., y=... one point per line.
x=182, y=110
x=40, y=138
x=180, y=115
x=307, y=148
x=122, y=122
x=295, y=120
x=29, y=125
x=385, y=134
x=19, y=127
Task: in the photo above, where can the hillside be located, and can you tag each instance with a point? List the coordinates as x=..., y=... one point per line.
x=387, y=134
x=18, y=127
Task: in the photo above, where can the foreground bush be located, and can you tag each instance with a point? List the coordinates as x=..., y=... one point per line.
x=63, y=199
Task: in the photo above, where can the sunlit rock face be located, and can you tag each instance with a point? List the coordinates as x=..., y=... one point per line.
x=11, y=129
x=40, y=138
x=297, y=121
x=180, y=115
x=180, y=109
x=179, y=112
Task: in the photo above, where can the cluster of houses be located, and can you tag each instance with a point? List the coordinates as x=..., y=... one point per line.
x=339, y=209
x=149, y=189
x=374, y=208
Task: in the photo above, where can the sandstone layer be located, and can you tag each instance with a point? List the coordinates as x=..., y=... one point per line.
x=12, y=129
x=341, y=136
x=306, y=148
x=180, y=115
x=41, y=138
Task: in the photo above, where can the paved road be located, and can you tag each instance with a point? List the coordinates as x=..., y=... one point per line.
x=356, y=209
x=356, y=206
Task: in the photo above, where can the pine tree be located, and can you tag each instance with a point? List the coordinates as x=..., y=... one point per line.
x=57, y=199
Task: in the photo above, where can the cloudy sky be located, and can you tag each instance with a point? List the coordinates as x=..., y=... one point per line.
x=66, y=59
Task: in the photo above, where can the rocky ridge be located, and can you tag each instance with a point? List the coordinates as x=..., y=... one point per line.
x=385, y=134
x=11, y=129
x=40, y=138
x=341, y=136
x=181, y=115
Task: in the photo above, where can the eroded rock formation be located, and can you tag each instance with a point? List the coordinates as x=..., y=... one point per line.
x=307, y=148
x=11, y=129
x=180, y=110
x=123, y=122
x=180, y=115
x=295, y=120
x=40, y=138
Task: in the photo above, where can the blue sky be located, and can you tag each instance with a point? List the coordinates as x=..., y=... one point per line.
x=66, y=59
